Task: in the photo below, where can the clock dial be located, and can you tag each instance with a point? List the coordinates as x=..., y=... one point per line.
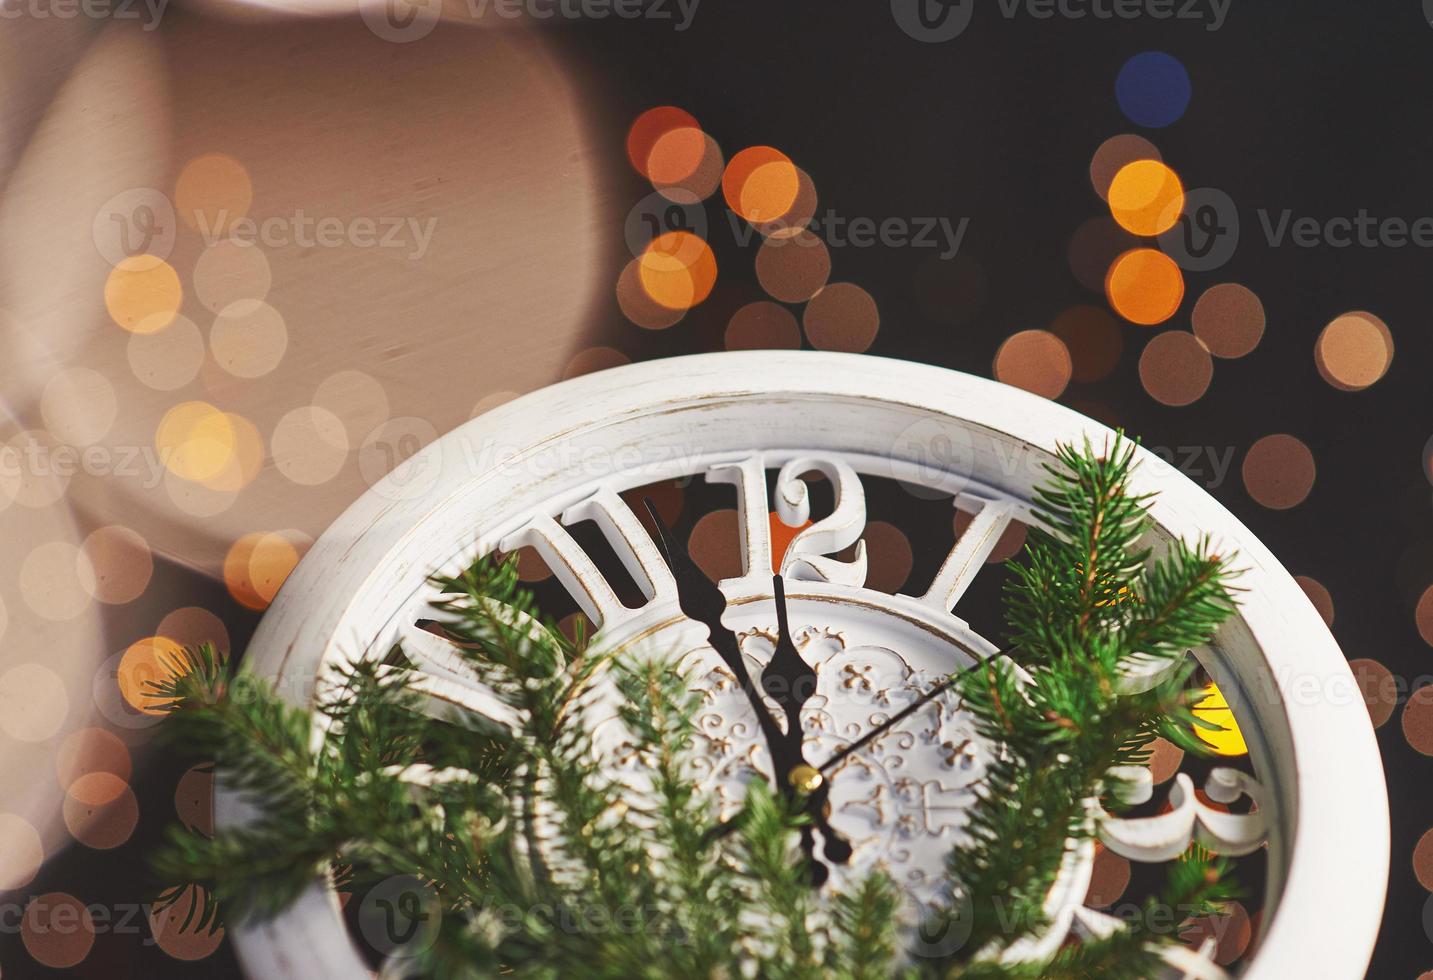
x=548, y=473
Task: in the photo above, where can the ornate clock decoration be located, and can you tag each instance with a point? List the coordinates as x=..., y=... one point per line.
x=875, y=722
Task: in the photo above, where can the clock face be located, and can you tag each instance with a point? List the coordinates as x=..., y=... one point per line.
x=900, y=763
x=558, y=475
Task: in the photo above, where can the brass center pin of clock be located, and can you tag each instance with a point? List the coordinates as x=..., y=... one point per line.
x=805, y=779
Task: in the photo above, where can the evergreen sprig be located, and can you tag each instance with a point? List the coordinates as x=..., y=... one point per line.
x=542, y=860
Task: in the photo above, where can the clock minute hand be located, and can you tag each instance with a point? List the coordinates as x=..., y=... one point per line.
x=703, y=602
x=907, y=711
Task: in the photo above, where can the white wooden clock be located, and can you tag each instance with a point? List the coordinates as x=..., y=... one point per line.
x=520, y=475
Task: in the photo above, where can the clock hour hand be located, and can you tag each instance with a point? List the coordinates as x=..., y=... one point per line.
x=790, y=681
x=703, y=602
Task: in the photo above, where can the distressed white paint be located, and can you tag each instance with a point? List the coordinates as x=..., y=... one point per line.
x=1315, y=752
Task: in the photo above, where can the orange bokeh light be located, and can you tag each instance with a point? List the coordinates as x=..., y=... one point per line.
x=677, y=270
x=781, y=538
x=1146, y=197
x=1145, y=286
x=760, y=183
x=256, y=565
x=146, y=662
x=650, y=127
x=676, y=155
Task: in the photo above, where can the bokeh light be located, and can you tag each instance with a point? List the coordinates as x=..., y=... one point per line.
x=229, y=271
x=1175, y=368
x=1035, y=360
x=763, y=325
x=309, y=445
x=1378, y=687
x=359, y=400
x=91, y=750
x=842, y=317
x=1113, y=154
x=1153, y=89
x=195, y=440
x=799, y=215
x=1229, y=318
x=143, y=294
x=168, y=359
x=793, y=268
x=33, y=702
x=1279, y=471
x=79, y=406
x=650, y=127
x=1319, y=596
x=593, y=359
x=146, y=662
x=100, y=810
x=120, y=564
x=57, y=930
x=212, y=192
x=21, y=852
x=190, y=626
x=257, y=565
x=176, y=928
x=760, y=184
x=677, y=270
x=1146, y=198
x=1093, y=339
x=1423, y=615
x=1145, y=286
x=1354, y=351
x=56, y=581
x=248, y=338
x=638, y=306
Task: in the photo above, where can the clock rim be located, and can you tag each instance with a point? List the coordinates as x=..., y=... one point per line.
x=1326, y=763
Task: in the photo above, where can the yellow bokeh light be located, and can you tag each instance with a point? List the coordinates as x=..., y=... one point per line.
x=1213, y=707
x=1146, y=197
x=677, y=270
x=244, y=461
x=1145, y=286
x=146, y=662
x=761, y=183
x=143, y=294
x=196, y=441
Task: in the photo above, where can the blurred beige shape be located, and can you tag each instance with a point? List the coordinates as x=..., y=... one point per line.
x=48, y=666
x=427, y=233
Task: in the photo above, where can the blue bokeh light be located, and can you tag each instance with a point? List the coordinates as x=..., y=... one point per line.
x=1153, y=89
